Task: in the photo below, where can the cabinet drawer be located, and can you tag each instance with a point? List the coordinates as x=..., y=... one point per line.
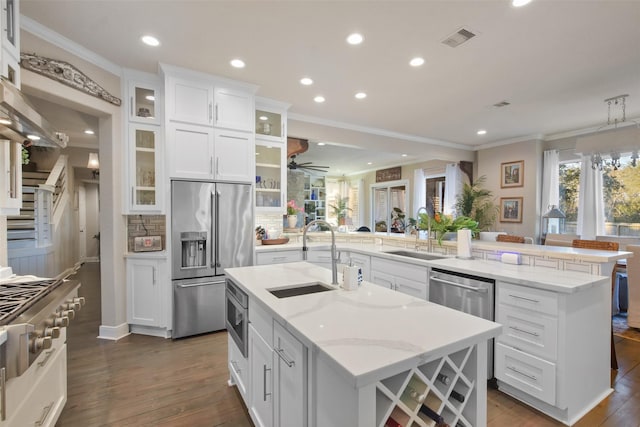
x=238, y=368
x=319, y=257
x=261, y=320
x=528, y=298
x=382, y=279
x=411, y=287
x=400, y=269
x=265, y=258
x=531, y=332
x=525, y=372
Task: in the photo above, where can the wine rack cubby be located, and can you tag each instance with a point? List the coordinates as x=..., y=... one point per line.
x=446, y=385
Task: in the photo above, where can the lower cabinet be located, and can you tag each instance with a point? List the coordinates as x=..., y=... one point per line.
x=402, y=277
x=277, y=385
x=238, y=368
x=261, y=361
x=148, y=295
x=278, y=257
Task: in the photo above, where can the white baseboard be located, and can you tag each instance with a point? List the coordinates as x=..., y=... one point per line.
x=113, y=333
x=150, y=330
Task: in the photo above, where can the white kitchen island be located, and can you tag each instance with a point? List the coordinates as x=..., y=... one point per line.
x=358, y=355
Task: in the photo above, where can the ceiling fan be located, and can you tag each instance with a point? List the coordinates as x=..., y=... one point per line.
x=307, y=166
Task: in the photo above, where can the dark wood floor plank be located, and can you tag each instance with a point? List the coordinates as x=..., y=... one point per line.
x=149, y=381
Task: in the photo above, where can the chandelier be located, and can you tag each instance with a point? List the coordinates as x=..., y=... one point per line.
x=616, y=113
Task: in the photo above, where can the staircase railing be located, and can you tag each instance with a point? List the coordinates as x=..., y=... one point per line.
x=49, y=196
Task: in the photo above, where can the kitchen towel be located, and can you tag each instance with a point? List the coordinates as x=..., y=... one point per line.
x=464, y=243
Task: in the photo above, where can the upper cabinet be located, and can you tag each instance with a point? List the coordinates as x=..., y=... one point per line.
x=10, y=177
x=10, y=27
x=145, y=160
x=143, y=98
x=271, y=120
x=210, y=126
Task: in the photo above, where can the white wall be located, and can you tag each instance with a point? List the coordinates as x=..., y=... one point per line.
x=92, y=225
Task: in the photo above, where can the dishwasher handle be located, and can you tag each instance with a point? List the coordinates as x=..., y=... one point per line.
x=193, y=285
x=459, y=285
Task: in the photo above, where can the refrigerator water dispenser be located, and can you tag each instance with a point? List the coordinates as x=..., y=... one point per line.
x=194, y=249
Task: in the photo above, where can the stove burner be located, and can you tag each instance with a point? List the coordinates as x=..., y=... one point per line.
x=15, y=298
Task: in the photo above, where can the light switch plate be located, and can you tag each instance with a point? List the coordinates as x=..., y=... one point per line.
x=147, y=244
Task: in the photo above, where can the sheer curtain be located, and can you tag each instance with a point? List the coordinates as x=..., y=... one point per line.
x=419, y=190
x=550, y=180
x=590, y=201
x=452, y=187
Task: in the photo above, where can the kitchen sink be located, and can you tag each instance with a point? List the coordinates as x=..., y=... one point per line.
x=418, y=255
x=304, y=289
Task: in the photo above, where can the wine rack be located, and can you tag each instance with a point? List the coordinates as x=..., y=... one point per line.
x=446, y=385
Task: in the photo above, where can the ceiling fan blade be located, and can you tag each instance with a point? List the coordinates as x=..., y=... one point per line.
x=313, y=168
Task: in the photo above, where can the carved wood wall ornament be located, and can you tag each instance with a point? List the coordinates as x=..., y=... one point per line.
x=67, y=74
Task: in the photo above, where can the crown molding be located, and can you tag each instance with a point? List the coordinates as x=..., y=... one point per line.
x=535, y=136
x=69, y=45
x=376, y=131
x=585, y=131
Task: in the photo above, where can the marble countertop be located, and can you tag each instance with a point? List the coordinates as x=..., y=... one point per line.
x=368, y=334
x=537, y=277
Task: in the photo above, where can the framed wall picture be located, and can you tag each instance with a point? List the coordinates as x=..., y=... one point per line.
x=512, y=174
x=511, y=209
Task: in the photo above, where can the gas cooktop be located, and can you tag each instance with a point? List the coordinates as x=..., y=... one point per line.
x=17, y=297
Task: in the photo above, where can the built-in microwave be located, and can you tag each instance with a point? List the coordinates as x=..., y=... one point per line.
x=237, y=316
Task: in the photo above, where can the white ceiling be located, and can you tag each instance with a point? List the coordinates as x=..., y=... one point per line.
x=554, y=61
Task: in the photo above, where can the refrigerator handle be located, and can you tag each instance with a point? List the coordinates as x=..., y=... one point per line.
x=217, y=225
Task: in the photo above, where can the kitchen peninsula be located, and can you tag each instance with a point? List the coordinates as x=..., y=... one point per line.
x=551, y=315
x=362, y=356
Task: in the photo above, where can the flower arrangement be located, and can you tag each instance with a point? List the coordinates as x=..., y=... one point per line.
x=292, y=208
x=443, y=224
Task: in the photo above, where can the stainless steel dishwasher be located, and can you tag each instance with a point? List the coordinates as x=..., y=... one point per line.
x=463, y=292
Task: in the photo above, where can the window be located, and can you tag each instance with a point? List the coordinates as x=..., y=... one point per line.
x=435, y=192
x=621, y=187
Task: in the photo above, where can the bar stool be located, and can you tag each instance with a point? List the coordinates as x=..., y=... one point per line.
x=603, y=246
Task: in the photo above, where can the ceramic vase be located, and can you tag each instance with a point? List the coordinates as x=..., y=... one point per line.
x=292, y=220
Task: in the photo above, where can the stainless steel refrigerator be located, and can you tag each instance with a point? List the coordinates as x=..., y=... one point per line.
x=211, y=229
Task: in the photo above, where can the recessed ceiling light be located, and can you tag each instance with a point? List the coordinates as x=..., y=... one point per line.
x=355, y=38
x=33, y=137
x=361, y=95
x=404, y=155
x=321, y=143
x=319, y=99
x=5, y=121
x=257, y=154
x=306, y=81
x=482, y=132
x=237, y=63
x=150, y=41
x=150, y=98
x=264, y=118
x=89, y=132
x=369, y=163
x=416, y=62
x=518, y=3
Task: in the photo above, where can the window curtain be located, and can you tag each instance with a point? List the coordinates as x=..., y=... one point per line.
x=550, y=180
x=452, y=187
x=419, y=190
x=590, y=201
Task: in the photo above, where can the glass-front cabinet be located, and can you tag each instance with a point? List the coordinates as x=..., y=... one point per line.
x=143, y=101
x=271, y=178
x=271, y=120
x=146, y=169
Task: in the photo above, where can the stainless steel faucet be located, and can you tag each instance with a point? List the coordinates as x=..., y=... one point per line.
x=334, y=252
x=426, y=211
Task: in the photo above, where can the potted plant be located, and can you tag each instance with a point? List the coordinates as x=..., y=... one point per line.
x=292, y=213
x=477, y=203
x=443, y=224
x=340, y=209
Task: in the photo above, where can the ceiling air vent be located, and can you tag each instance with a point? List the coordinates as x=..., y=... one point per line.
x=502, y=104
x=459, y=37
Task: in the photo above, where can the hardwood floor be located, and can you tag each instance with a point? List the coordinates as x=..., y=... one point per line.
x=148, y=381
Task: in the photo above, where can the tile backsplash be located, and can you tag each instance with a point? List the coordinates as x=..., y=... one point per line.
x=270, y=221
x=156, y=225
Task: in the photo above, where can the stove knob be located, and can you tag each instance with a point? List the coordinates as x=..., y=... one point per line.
x=67, y=313
x=53, y=332
x=41, y=343
x=70, y=305
x=79, y=300
x=61, y=322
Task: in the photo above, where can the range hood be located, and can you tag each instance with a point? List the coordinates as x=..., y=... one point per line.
x=19, y=119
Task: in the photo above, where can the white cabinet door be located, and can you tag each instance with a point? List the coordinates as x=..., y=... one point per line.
x=238, y=367
x=234, y=156
x=144, y=100
x=290, y=374
x=189, y=101
x=190, y=151
x=411, y=287
x=145, y=286
x=382, y=279
x=261, y=361
x=10, y=177
x=234, y=109
x=146, y=167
